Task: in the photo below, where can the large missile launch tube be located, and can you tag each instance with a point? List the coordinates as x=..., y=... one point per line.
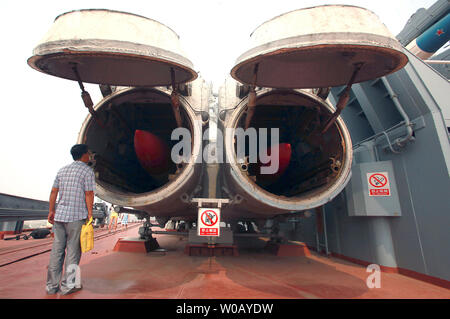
x=130, y=129
x=320, y=164
x=288, y=56
x=120, y=176
x=425, y=45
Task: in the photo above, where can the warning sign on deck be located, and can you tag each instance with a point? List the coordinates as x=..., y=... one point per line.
x=208, y=222
x=378, y=184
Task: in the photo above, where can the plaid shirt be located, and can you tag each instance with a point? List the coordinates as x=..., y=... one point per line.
x=73, y=181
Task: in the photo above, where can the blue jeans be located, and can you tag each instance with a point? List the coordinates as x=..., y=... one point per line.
x=66, y=237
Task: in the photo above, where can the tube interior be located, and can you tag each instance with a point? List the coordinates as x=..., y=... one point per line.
x=117, y=166
x=316, y=159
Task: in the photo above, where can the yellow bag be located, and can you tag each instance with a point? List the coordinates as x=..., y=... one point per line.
x=87, y=236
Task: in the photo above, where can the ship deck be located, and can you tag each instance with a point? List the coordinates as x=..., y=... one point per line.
x=171, y=274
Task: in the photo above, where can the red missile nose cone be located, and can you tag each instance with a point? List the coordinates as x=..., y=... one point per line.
x=285, y=153
x=151, y=151
x=284, y=158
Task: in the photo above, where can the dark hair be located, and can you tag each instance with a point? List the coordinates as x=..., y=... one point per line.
x=78, y=151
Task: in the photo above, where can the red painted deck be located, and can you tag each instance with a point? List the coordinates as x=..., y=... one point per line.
x=255, y=273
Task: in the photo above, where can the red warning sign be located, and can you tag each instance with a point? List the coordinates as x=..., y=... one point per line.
x=208, y=221
x=378, y=183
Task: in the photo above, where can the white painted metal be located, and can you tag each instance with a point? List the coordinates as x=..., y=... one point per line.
x=112, y=47
x=318, y=47
x=173, y=198
x=259, y=201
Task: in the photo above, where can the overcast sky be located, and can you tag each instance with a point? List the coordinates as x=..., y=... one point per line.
x=41, y=115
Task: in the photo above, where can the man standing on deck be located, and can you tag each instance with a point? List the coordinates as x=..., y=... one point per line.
x=75, y=184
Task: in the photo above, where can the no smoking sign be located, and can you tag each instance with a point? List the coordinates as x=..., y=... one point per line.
x=378, y=183
x=208, y=222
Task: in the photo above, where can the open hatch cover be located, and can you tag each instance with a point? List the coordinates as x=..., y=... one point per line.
x=112, y=47
x=319, y=47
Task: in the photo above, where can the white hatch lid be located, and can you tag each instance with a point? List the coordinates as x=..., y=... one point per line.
x=112, y=47
x=319, y=47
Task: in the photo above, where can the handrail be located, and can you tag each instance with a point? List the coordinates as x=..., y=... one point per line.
x=15, y=208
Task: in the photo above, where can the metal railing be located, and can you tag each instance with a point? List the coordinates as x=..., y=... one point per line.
x=15, y=208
